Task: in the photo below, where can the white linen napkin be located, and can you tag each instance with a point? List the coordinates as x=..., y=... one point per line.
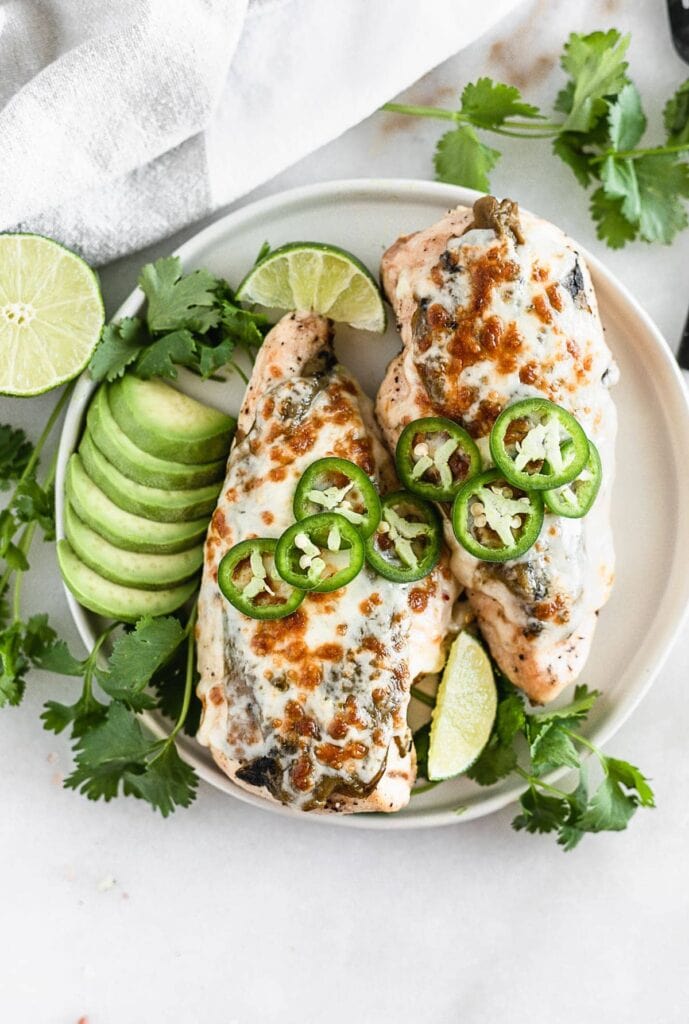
x=121, y=122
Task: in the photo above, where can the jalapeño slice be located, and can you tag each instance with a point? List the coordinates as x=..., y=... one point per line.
x=320, y=553
x=538, y=445
x=406, y=545
x=576, y=498
x=494, y=520
x=249, y=580
x=434, y=458
x=338, y=485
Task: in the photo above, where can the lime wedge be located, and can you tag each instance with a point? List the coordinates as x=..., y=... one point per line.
x=51, y=314
x=464, y=712
x=320, y=278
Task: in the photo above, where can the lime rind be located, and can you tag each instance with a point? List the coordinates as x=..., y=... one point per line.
x=51, y=314
x=321, y=278
x=464, y=712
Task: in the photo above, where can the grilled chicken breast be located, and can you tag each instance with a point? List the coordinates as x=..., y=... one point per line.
x=310, y=710
x=494, y=307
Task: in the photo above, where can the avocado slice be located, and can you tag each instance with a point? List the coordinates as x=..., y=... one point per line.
x=168, y=424
x=137, y=464
x=124, y=530
x=112, y=599
x=152, y=502
x=130, y=568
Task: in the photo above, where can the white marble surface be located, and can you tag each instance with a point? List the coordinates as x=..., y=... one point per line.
x=228, y=915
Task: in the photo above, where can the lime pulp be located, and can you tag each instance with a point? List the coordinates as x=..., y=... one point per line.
x=51, y=314
x=464, y=711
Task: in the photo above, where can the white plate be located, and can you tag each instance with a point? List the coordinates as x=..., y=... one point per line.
x=651, y=497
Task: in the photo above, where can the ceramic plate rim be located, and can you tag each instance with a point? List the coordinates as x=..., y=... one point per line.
x=677, y=590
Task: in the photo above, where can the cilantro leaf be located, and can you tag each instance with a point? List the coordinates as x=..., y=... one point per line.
x=676, y=116
x=649, y=189
x=135, y=658
x=46, y=651
x=15, y=452
x=84, y=714
x=550, y=748
x=461, y=159
x=213, y=357
x=662, y=180
x=13, y=555
x=570, y=150
x=611, y=224
x=488, y=104
x=509, y=718
x=495, y=762
x=13, y=665
x=626, y=119
x=598, y=70
x=569, y=834
x=24, y=645
x=565, y=98
x=620, y=182
x=628, y=775
x=119, y=346
x=168, y=782
x=245, y=326
x=105, y=755
x=34, y=504
x=623, y=789
x=609, y=810
x=540, y=812
x=120, y=754
x=158, y=359
x=176, y=299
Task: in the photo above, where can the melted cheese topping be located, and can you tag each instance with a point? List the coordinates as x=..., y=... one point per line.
x=315, y=700
x=487, y=322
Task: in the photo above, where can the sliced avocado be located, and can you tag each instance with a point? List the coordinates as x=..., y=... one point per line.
x=124, y=530
x=168, y=424
x=151, y=502
x=130, y=568
x=137, y=464
x=112, y=599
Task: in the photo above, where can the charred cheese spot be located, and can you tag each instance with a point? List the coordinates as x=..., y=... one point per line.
x=368, y=606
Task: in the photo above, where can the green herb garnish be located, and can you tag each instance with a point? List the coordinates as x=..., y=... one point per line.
x=31, y=643
x=114, y=751
x=191, y=320
x=596, y=131
x=534, y=745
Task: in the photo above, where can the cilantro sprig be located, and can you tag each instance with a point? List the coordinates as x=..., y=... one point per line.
x=191, y=320
x=534, y=745
x=114, y=752
x=596, y=130
x=24, y=644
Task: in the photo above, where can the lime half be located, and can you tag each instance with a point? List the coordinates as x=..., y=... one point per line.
x=320, y=278
x=51, y=314
x=464, y=712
